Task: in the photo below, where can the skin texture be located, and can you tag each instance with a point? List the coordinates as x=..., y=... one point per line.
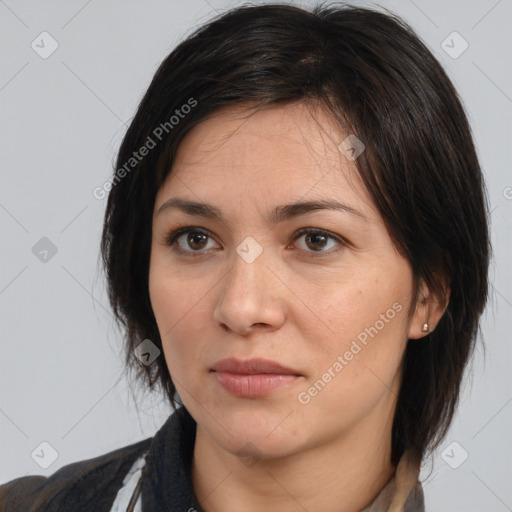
x=303, y=311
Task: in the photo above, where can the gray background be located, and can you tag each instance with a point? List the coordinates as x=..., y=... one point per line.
x=62, y=120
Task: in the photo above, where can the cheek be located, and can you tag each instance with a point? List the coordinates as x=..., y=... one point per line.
x=366, y=335
x=172, y=297
x=358, y=309
x=173, y=304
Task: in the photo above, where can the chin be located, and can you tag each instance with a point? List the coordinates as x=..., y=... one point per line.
x=261, y=424
x=255, y=445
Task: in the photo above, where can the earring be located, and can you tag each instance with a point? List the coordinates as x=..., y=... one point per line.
x=425, y=327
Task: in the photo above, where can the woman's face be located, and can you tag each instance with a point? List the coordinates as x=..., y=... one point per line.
x=331, y=307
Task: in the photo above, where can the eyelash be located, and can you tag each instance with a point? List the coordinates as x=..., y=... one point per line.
x=171, y=238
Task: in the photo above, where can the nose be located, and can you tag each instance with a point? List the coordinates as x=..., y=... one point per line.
x=250, y=297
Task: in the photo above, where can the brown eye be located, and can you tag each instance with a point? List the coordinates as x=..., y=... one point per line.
x=188, y=240
x=196, y=240
x=316, y=240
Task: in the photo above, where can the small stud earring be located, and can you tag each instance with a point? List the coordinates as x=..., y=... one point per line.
x=424, y=328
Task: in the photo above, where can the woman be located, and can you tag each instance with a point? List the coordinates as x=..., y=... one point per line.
x=296, y=242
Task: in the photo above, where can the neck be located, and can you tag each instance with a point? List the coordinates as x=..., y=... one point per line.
x=344, y=474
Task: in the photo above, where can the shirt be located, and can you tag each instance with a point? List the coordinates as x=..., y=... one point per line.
x=154, y=475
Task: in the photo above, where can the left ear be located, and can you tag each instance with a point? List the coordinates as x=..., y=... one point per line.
x=429, y=311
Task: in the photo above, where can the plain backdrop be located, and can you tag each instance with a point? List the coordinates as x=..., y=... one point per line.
x=62, y=119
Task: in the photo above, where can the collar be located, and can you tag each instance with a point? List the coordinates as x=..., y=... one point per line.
x=167, y=480
x=403, y=492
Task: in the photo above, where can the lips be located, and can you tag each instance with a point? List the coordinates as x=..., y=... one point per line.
x=254, y=366
x=253, y=378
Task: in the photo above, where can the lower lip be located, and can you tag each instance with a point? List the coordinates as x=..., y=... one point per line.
x=244, y=385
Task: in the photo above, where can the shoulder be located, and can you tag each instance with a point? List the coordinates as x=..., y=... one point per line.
x=87, y=485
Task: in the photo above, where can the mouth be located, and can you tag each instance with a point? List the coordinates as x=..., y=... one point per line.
x=253, y=377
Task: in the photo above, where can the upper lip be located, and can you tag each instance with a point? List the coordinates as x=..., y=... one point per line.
x=252, y=367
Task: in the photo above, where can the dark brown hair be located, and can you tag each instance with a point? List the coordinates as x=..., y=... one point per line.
x=374, y=76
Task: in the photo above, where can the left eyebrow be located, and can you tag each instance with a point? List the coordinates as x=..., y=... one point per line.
x=279, y=214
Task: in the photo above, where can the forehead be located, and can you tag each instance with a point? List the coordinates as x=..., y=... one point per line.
x=271, y=155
